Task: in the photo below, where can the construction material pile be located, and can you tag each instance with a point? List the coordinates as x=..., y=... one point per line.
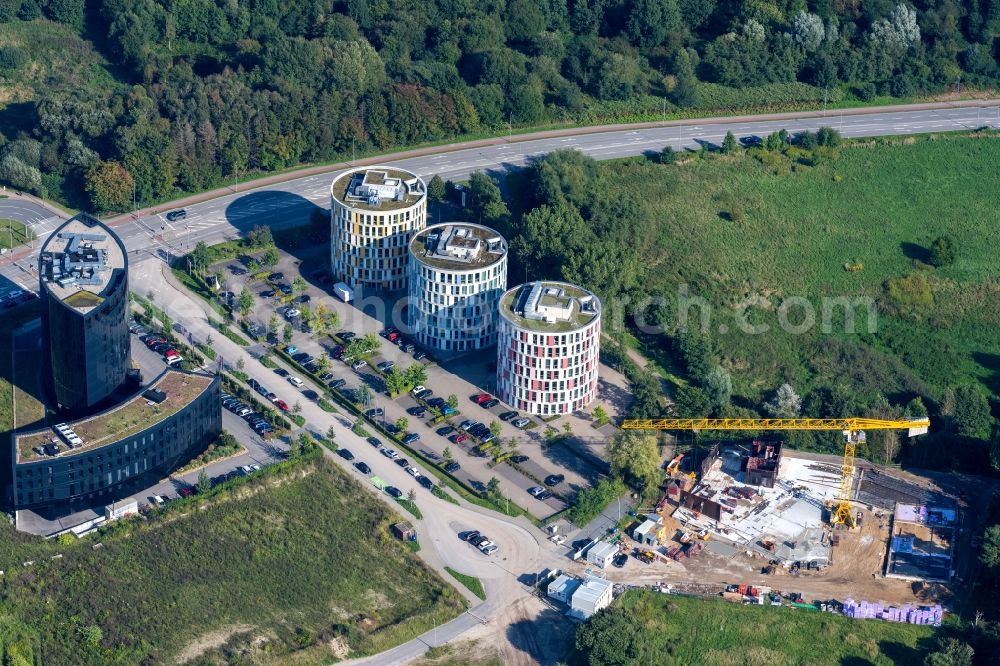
x=907, y=614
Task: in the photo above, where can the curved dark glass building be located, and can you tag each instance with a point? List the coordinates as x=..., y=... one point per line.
x=83, y=270
x=110, y=454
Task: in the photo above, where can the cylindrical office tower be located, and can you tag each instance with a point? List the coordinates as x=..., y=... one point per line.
x=374, y=212
x=457, y=273
x=83, y=270
x=548, y=348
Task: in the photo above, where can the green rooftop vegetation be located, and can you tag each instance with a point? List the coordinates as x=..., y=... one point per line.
x=577, y=319
x=128, y=419
x=342, y=183
x=83, y=300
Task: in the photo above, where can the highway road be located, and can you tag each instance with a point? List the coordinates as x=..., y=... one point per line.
x=291, y=202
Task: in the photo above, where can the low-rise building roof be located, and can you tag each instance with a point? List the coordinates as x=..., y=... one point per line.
x=591, y=590
x=117, y=423
x=601, y=551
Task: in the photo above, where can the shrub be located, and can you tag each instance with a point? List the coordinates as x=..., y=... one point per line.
x=942, y=251
x=910, y=294
x=590, y=502
x=12, y=57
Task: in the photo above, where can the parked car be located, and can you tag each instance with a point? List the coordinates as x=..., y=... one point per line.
x=281, y=372
x=490, y=549
x=358, y=365
x=408, y=347
x=274, y=277
x=291, y=350
x=285, y=289
x=491, y=403
x=425, y=482
x=481, y=398
x=186, y=491
x=519, y=458
x=375, y=412
x=535, y=491
x=554, y=479
x=419, y=355
x=326, y=376
x=459, y=438
x=507, y=416
x=452, y=467
x=417, y=411
x=413, y=471
x=375, y=441
x=478, y=539
x=394, y=491
x=311, y=395
x=268, y=293
x=544, y=495
x=386, y=366
x=445, y=430
x=338, y=383
x=418, y=390
x=391, y=454
x=469, y=536
x=347, y=336
x=620, y=560
x=436, y=402
x=304, y=298
x=345, y=454
x=292, y=313
x=402, y=462
x=448, y=410
x=295, y=381
x=520, y=422
x=363, y=467
x=411, y=438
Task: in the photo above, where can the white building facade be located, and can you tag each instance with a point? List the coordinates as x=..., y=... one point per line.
x=457, y=275
x=593, y=594
x=548, y=348
x=374, y=213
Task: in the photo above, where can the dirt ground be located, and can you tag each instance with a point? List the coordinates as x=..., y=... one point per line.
x=856, y=571
x=528, y=632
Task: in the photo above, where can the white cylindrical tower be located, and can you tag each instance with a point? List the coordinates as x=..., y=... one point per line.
x=374, y=212
x=458, y=272
x=548, y=348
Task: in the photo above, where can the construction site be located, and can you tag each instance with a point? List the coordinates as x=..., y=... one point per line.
x=819, y=524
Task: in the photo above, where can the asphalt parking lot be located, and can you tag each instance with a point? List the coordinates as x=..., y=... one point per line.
x=475, y=471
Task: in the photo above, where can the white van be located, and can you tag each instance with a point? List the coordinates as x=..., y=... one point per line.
x=295, y=381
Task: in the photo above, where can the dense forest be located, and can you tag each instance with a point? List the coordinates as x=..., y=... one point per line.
x=182, y=94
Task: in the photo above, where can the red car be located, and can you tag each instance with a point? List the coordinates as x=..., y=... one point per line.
x=170, y=353
x=459, y=438
x=482, y=397
x=281, y=404
x=186, y=491
x=393, y=336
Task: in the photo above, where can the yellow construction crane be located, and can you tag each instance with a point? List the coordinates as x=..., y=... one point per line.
x=853, y=429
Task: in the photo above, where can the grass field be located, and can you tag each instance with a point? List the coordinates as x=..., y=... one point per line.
x=732, y=227
x=57, y=59
x=474, y=584
x=301, y=557
x=14, y=233
x=678, y=630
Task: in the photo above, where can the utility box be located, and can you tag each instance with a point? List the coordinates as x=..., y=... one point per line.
x=343, y=292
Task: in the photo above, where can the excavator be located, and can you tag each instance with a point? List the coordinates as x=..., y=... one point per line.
x=853, y=429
